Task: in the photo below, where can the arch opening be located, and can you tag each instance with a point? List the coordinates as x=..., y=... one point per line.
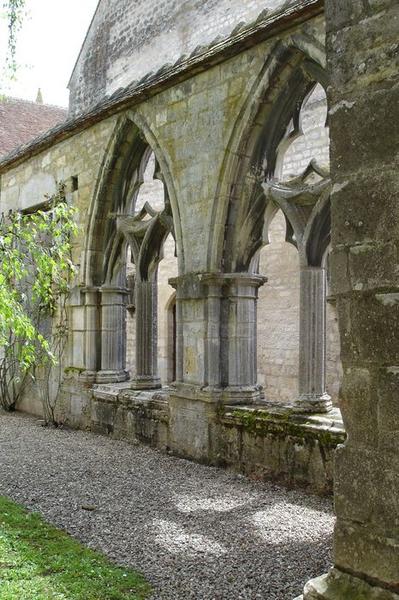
x=131, y=233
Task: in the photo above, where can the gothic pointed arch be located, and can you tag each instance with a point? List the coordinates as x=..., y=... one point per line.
x=120, y=178
x=133, y=211
x=272, y=107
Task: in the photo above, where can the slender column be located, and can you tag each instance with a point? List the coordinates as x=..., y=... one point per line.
x=146, y=376
x=92, y=334
x=312, y=342
x=76, y=318
x=212, y=335
x=113, y=335
x=240, y=347
x=179, y=329
x=179, y=341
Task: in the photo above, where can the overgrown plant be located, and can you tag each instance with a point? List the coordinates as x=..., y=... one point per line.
x=35, y=274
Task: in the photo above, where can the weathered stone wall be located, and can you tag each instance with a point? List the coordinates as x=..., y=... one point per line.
x=276, y=445
x=130, y=38
x=261, y=443
x=278, y=317
x=363, y=55
x=27, y=185
x=312, y=142
x=81, y=156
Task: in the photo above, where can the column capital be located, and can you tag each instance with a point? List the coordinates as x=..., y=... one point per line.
x=224, y=279
x=196, y=285
x=105, y=289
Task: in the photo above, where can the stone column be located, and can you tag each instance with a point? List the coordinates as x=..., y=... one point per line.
x=216, y=357
x=173, y=281
x=312, y=342
x=113, y=335
x=146, y=372
x=239, y=347
x=76, y=335
x=364, y=117
x=92, y=334
x=231, y=333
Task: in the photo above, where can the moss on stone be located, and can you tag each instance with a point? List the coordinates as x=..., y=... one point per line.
x=261, y=422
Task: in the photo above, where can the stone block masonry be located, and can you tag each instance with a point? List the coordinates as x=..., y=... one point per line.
x=363, y=57
x=129, y=39
x=189, y=126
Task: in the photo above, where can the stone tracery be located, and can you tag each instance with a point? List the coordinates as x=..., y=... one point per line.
x=138, y=221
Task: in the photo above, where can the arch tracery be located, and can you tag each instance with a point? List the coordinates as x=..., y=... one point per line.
x=131, y=218
x=262, y=184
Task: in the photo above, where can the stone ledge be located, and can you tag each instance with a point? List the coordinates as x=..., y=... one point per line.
x=270, y=442
x=125, y=395
x=328, y=427
x=263, y=441
x=132, y=415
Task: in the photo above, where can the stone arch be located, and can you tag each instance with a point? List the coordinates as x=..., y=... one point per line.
x=117, y=223
x=130, y=140
x=288, y=74
x=272, y=117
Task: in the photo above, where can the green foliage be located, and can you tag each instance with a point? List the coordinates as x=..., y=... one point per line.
x=35, y=273
x=14, y=14
x=40, y=562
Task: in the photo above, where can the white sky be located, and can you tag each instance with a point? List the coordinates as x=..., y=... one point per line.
x=47, y=47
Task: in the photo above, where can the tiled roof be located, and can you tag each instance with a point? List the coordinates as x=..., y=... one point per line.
x=21, y=121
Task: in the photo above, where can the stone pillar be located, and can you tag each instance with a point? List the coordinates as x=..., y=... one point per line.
x=146, y=372
x=213, y=334
x=231, y=333
x=113, y=335
x=76, y=329
x=216, y=357
x=312, y=342
x=179, y=342
x=92, y=344
x=362, y=45
x=239, y=335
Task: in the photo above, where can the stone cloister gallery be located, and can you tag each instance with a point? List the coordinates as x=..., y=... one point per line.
x=237, y=241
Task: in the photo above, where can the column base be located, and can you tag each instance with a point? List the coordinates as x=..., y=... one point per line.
x=337, y=585
x=309, y=403
x=88, y=376
x=145, y=383
x=112, y=376
x=242, y=395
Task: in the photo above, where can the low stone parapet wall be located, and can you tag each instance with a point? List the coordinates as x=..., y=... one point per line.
x=135, y=416
x=264, y=442
x=274, y=443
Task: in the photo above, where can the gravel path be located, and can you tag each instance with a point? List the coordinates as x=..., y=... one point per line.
x=195, y=532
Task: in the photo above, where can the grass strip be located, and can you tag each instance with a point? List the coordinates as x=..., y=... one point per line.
x=40, y=562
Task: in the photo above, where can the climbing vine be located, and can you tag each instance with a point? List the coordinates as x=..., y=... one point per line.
x=35, y=274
